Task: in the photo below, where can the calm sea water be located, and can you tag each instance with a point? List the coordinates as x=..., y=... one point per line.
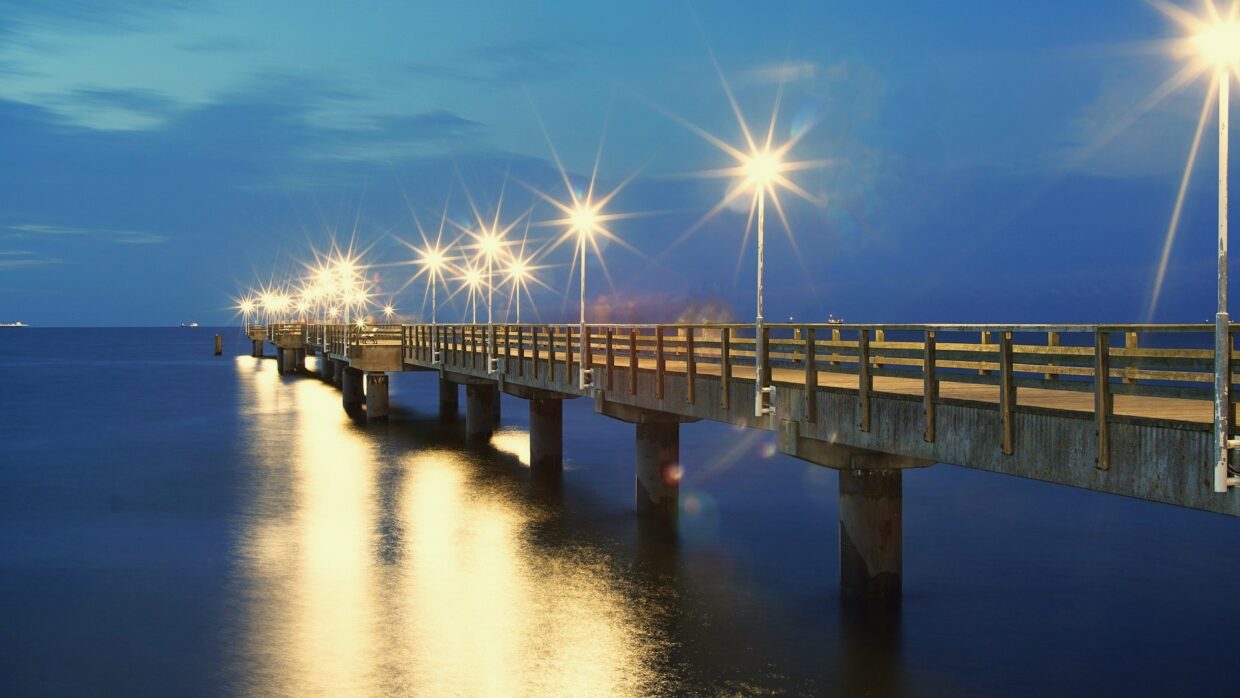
x=174, y=523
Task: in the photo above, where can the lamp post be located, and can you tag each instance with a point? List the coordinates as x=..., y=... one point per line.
x=584, y=219
x=1218, y=45
x=761, y=168
x=489, y=243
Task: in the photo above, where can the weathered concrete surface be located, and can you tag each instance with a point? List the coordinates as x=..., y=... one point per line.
x=352, y=391
x=256, y=348
x=281, y=365
x=658, y=470
x=448, y=399
x=338, y=373
x=378, y=358
x=871, y=533
x=546, y=436
x=376, y=396
x=480, y=412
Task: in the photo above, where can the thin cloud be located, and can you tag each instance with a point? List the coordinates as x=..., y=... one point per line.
x=124, y=237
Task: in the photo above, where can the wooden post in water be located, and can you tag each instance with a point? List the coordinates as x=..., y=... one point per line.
x=219, y=345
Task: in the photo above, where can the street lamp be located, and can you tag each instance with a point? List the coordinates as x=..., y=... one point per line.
x=584, y=220
x=1220, y=44
x=489, y=244
x=761, y=168
x=518, y=271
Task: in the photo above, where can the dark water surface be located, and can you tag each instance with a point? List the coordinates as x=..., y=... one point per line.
x=173, y=523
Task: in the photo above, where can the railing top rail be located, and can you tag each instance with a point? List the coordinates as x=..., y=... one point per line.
x=893, y=327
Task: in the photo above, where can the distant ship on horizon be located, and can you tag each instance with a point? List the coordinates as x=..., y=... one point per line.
x=189, y=324
x=13, y=324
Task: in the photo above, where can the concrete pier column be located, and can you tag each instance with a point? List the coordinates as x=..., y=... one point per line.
x=352, y=391
x=497, y=404
x=280, y=365
x=448, y=399
x=480, y=411
x=299, y=360
x=658, y=470
x=871, y=533
x=376, y=396
x=338, y=373
x=326, y=368
x=546, y=436
x=256, y=348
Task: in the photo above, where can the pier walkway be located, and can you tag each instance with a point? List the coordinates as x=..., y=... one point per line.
x=1123, y=409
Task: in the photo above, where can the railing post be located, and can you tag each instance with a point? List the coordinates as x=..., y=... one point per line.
x=811, y=376
x=659, y=364
x=534, y=347
x=568, y=355
x=690, y=367
x=879, y=336
x=520, y=350
x=1007, y=392
x=611, y=358
x=1130, y=371
x=633, y=361
x=1052, y=340
x=725, y=367
x=587, y=358
x=1102, y=397
x=836, y=336
x=930, y=388
x=864, y=380
x=985, y=343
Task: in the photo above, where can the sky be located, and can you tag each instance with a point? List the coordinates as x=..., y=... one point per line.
x=973, y=161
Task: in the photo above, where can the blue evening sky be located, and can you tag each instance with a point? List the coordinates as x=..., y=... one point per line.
x=986, y=161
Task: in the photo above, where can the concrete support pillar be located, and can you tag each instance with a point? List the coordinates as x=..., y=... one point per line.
x=338, y=373
x=658, y=470
x=256, y=348
x=352, y=391
x=871, y=533
x=480, y=412
x=546, y=436
x=497, y=404
x=327, y=368
x=280, y=365
x=299, y=360
x=448, y=399
x=376, y=396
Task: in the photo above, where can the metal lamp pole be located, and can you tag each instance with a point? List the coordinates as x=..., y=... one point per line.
x=761, y=392
x=1222, y=334
x=583, y=375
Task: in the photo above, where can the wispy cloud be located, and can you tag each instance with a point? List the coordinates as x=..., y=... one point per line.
x=45, y=231
x=22, y=259
x=780, y=73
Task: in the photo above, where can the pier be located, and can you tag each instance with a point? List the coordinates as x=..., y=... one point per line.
x=1121, y=409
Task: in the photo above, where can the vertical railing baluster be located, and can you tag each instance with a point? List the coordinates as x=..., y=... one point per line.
x=633, y=361
x=864, y=380
x=568, y=355
x=725, y=367
x=930, y=386
x=611, y=358
x=587, y=356
x=1052, y=340
x=1007, y=393
x=1103, y=401
x=811, y=376
x=981, y=371
x=690, y=366
x=659, y=365
x=1130, y=370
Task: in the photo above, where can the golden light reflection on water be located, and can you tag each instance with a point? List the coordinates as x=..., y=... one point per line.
x=461, y=603
x=513, y=441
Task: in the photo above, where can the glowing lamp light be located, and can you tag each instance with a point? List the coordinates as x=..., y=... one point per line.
x=388, y=311
x=584, y=218
x=761, y=168
x=1219, y=43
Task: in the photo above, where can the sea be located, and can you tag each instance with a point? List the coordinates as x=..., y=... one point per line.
x=174, y=523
